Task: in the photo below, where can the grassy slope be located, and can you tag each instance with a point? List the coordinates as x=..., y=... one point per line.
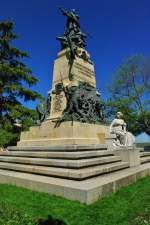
x=129, y=206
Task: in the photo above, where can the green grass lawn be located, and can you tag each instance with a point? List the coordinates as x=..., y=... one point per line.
x=130, y=205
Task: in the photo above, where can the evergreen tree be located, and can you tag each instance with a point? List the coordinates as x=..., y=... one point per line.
x=16, y=80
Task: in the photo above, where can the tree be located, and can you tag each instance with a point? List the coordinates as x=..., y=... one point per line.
x=130, y=91
x=16, y=80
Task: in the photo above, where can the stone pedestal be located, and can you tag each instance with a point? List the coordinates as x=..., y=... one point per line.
x=68, y=73
x=80, y=70
x=67, y=133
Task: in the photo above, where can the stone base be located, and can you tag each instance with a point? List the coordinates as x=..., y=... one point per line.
x=87, y=191
x=83, y=173
x=67, y=133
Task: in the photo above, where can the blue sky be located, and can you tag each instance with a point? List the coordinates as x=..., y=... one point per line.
x=117, y=28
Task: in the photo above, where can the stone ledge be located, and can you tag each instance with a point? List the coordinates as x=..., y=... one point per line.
x=67, y=173
x=59, y=148
x=59, y=154
x=64, y=163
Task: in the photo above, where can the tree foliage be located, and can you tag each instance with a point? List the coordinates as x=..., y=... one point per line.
x=16, y=80
x=130, y=93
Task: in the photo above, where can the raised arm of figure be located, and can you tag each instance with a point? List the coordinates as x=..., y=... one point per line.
x=64, y=12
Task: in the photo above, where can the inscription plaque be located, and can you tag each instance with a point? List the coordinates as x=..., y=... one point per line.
x=84, y=70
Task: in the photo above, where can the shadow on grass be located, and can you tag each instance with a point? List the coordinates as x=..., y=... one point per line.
x=50, y=221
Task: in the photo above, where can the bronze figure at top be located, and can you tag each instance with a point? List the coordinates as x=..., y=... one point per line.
x=73, y=36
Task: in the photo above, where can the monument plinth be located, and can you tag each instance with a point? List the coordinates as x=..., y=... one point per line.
x=65, y=134
x=68, y=73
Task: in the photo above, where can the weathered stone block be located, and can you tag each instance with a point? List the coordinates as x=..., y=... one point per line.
x=131, y=155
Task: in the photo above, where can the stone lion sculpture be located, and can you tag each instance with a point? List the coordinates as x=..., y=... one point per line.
x=118, y=127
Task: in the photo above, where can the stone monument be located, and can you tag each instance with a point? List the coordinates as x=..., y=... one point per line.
x=67, y=152
x=73, y=113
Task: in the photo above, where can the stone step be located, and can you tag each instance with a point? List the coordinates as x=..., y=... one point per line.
x=58, y=155
x=144, y=154
x=59, y=148
x=145, y=159
x=73, y=174
x=86, y=191
x=67, y=163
